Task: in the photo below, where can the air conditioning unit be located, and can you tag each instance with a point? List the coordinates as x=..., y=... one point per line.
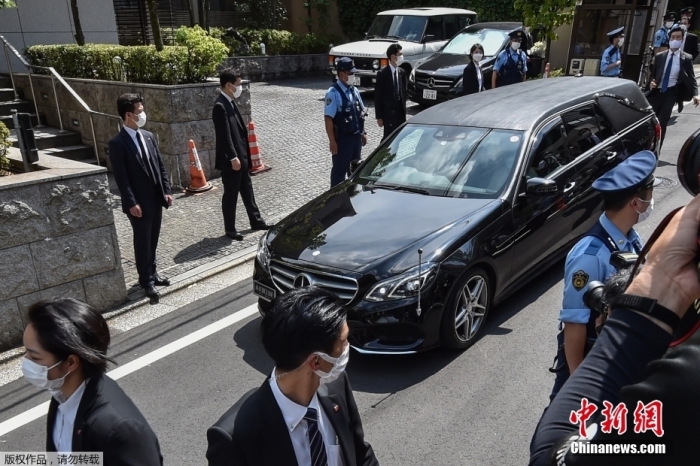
x=576, y=66
x=592, y=67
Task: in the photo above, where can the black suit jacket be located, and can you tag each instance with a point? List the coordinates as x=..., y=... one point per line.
x=688, y=83
x=131, y=174
x=253, y=431
x=231, y=134
x=470, y=80
x=691, y=45
x=108, y=421
x=386, y=105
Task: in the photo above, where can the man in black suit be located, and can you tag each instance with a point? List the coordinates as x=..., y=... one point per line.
x=233, y=155
x=673, y=79
x=390, y=92
x=304, y=414
x=690, y=41
x=144, y=187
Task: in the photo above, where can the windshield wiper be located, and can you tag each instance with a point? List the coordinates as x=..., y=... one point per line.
x=394, y=37
x=409, y=189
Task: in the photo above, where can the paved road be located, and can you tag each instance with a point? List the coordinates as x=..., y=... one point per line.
x=477, y=407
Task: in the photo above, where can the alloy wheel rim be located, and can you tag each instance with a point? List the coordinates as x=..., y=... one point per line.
x=471, y=308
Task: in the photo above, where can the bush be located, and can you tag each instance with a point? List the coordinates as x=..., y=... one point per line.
x=195, y=59
x=4, y=144
x=276, y=42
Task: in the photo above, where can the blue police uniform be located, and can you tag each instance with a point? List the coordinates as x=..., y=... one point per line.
x=511, y=65
x=611, y=55
x=662, y=36
x=344, y=105
x=589, y=260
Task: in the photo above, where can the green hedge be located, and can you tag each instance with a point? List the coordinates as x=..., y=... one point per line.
x=356, y=16
x=195, y=58
x=276, y=42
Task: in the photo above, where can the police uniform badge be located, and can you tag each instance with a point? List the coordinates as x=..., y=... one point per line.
x=328, y=101
x=579, y=280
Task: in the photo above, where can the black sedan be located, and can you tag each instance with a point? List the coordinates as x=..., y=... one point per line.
x=439, y=78
x=458, y=209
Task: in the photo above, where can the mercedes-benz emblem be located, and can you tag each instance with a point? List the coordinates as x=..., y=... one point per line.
x=431, y=83
x=302, y=280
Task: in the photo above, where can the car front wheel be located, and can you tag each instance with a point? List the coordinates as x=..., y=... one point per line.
x=466, y=310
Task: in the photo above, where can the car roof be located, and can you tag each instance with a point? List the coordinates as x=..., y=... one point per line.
x=427, y=12
x=504, y=26
x=522, y=106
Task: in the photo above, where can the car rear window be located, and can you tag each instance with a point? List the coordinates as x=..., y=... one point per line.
x=491, y=39
x=449, y=161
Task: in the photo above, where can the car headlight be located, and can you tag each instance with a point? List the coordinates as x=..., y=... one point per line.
x=263, y=256
x=336, y=60
x=375, y=64
x=412, y=76
x=404, y=285
x=459, y=83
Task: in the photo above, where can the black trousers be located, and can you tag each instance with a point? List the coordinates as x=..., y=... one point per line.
x=662, y=103
x=235, y=182
x=146, y=233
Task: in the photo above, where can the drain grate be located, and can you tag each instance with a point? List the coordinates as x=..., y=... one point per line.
x=664, y=183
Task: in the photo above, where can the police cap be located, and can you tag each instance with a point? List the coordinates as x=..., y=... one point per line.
x=517, y=34
x=630, y=176
x=616, y=32
x=671, y=16
x=688, y=11
x=674, y=28
x=346, y=64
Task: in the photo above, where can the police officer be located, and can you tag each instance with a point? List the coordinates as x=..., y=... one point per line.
x=511, y=63
x=345, y=120
x=611, y=63
x=628, y=199
x=661, y=37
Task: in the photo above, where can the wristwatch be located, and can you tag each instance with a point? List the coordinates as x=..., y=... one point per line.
x=647, y=306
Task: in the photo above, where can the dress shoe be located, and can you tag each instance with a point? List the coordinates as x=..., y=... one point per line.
x=153, y=294
x=680, y=107
x=234, y=235
x=260, y=226
x=160, y=281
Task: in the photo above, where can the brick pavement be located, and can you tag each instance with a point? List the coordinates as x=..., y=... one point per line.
x=289, y=125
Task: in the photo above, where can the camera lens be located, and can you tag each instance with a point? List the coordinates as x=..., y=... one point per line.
x=689, y=164
x=593, y=296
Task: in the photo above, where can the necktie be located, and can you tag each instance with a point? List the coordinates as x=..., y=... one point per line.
x=146, y=159
x=316, y=445
x=667, y=73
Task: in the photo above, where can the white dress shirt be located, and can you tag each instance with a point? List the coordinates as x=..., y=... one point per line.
x=137, y=134
x=674, y=61
x=479, y=76
x=293, y=415
x=65, y=420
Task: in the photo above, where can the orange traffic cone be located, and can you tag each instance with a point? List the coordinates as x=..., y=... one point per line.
x=198, y=182
x=256, y=163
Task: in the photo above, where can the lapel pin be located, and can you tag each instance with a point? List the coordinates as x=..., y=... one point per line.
x=336, y=408
x=80, y=432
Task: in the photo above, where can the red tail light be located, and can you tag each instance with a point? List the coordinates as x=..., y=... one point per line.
x=657, y=130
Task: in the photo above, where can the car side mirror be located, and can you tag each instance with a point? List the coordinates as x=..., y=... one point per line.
x=428, y=38
x=541, y=187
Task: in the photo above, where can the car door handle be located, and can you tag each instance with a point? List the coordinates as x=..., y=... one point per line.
x=569, y=186
x=610, y=155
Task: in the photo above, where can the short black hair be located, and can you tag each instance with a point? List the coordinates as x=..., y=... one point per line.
x=616, y=202
x=126, y=103
x=475, y=47
x=393, y=49
x=229, y=75
x=301, y=322
x=68, y=326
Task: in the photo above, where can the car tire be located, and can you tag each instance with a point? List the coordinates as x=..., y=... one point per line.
x=466, y=310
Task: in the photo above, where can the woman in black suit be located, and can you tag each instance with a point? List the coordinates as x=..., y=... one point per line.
x=66, y=342
x=473, y=78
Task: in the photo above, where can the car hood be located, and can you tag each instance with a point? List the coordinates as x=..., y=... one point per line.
x=375, y=48
x=352, y=227
x=447, y=64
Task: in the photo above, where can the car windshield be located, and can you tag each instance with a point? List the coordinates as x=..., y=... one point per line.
x=490, y=39
x=449, y=161
x=408, y=28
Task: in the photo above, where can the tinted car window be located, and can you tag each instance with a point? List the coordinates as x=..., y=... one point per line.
x=491, y=39
x=445, y=161
x=549, y=152
x=452, y=25
x=464, y=21
x=606, y=130
x=409, y=28
x=434, y=28
x=582, y=131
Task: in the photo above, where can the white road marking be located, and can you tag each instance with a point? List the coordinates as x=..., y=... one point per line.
x=138, y=363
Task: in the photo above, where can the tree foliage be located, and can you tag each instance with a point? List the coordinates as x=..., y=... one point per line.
x=546, y=15
x=7, y=4
x=356, y=16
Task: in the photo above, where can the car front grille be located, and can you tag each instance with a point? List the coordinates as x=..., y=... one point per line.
x=286, y=276
x=365, y=64
x=422, y=80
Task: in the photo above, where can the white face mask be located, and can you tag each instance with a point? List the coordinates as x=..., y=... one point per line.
x=515, y=45
x=141, y=119
x=675, y=44
x=621, y=42
x=684, y=27
x=668, y=24
x=399, y=60
x=645, y=215
x=237, y=93
x=38, y=375
x=339, y=365
x=477, y=56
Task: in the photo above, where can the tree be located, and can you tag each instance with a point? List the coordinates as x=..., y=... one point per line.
x=155, y=24
x=7, y=4
x=546, y=15
x=79, y=36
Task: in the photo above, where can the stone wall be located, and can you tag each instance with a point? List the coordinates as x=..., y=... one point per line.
x=57, y=239
x=176, y=114
x=269, y=68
